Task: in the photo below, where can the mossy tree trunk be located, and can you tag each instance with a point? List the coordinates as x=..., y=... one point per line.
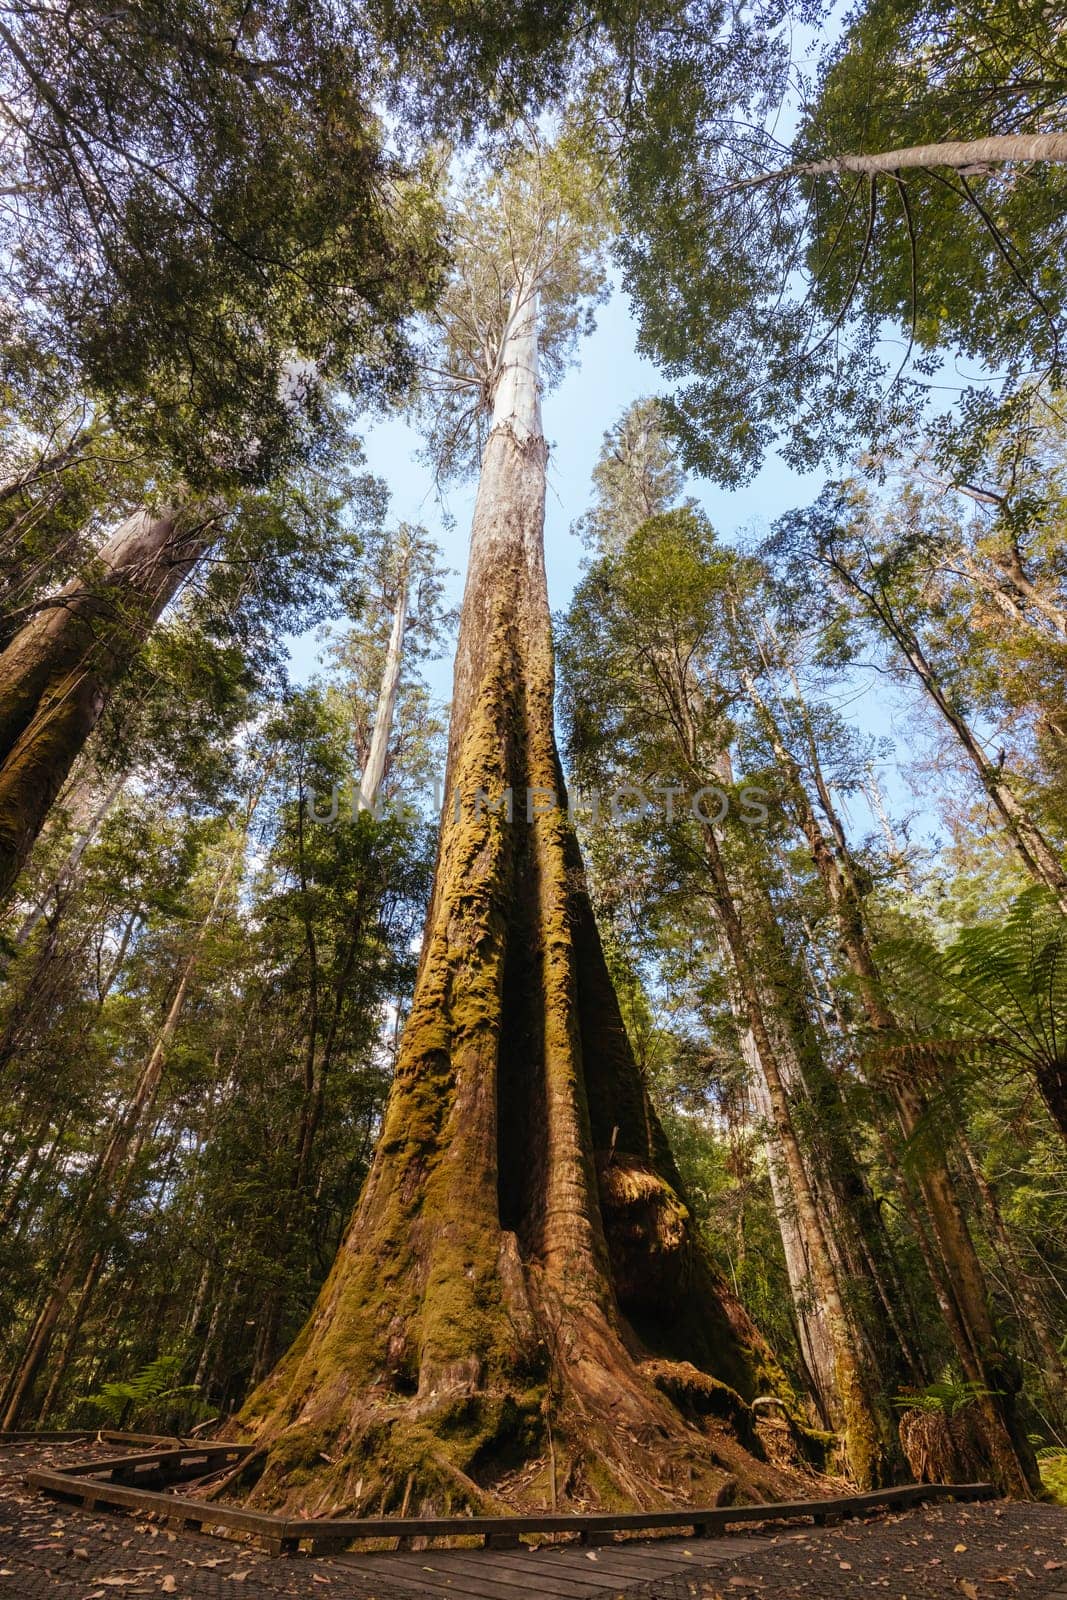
x=57, y=672
x=521, y=1311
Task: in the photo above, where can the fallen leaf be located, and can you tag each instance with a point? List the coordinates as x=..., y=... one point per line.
x=958, y=1549
x=846, y=1566
x=968, y=1588
x=239, y=1577
x=169, y=1584
x=1053, y=1566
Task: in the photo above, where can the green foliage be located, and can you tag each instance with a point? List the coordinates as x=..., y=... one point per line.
x=995, y=999
x=258, y=1137
x=535, y=226
x=949, y=1396
x=152, y=1398
x=206, y=268
x=682, y=658
x=822, y=310
x=636, y=477
x=1053, y=1464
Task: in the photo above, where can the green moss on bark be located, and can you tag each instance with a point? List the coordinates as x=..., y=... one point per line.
x=481, y=1339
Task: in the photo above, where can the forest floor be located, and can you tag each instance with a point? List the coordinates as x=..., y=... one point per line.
x=990, y=1551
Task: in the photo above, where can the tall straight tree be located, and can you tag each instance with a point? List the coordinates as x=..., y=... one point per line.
x=521, y=1281
x=962, y=1289
x=107, y=1190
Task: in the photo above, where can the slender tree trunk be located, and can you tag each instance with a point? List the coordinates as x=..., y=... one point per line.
x=57, y=673
x=855, y=1227
x=107, y=982
x=816, y=1346
x=872, y=793
x=374, y=771
x=522, y=1242
x=868, y=1442
x=31, y=1158
x=69, y=869
x=70, y=1341
x=1042, y=862
x=980, y=1353
x=108, y=1185
x=1010, y=147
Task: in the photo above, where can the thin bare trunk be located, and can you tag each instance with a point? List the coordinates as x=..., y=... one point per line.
x=112, y=1172
x=67, y=872
x=995, y=151
x=374, y=771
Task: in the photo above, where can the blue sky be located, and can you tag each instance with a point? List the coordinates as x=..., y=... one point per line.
x=607, y=375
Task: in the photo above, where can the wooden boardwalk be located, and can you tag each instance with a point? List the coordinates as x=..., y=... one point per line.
x=560, y=1573
x=944, y=1549
x=136, y=1483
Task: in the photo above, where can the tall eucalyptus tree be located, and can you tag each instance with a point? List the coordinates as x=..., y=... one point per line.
x=521, y=1278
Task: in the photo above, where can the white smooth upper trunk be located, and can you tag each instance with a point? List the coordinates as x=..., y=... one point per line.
x=517, y=401
x=374, y=771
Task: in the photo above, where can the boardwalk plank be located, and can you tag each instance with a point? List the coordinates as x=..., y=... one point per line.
x=427, y=1580
x=474, y=1565
x=613, y=1563
x=534, y=1561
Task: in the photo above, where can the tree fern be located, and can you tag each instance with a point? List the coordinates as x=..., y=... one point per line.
x=996, y=997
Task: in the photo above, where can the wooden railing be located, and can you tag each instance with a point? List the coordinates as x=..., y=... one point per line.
x=134, y=1483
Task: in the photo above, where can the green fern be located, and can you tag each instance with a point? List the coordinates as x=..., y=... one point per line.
x=152, y=1397
x=996, y=996
x=949, y=1395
